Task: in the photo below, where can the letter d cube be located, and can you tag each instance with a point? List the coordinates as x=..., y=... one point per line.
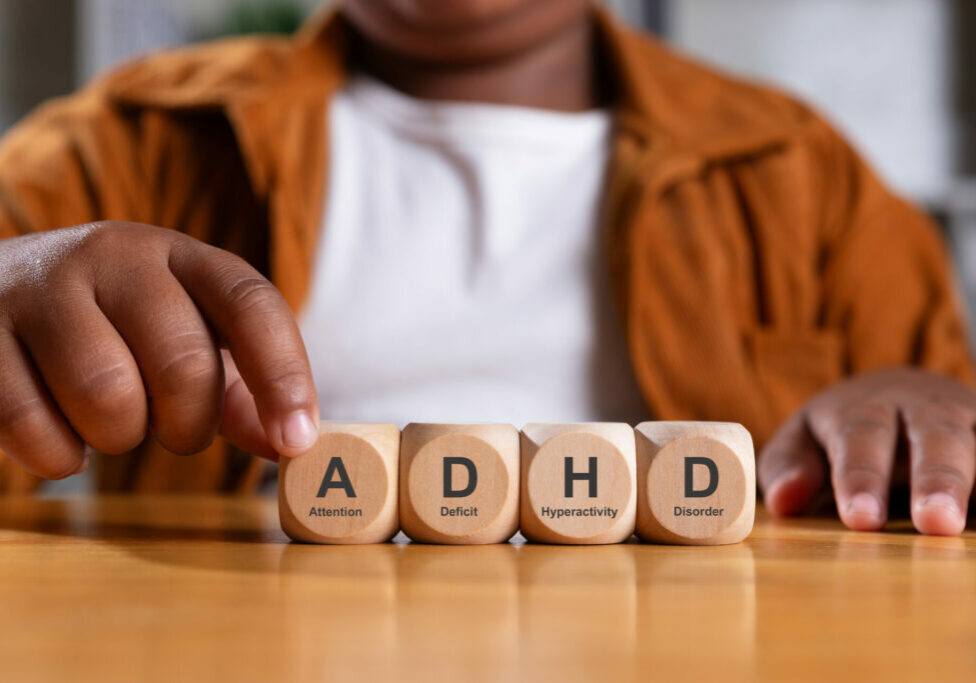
x=696, y=482
x=578, y=483
x=459, y=483
x=345, y=489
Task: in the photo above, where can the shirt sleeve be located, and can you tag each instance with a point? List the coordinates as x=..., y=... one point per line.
x=71, y=161
x=888, y=280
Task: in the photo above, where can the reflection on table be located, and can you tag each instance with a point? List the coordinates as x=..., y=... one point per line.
x=209, y=588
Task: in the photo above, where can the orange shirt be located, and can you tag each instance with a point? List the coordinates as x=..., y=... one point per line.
x=754, y=258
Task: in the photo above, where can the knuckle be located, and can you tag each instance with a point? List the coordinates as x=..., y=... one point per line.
x=944, y=431
x=26, y=429
x=866, y=425
x=111, y=391
x=941, y=475
x=111, y=237
x=22, y=418
x=194, y=379
x=191, y=372
x=186, y=441
x=291, y=383
x=863, y=473
x=252, y=295
x=119, y=441
x=99, y=235
x=860, y=467
x=115, y=438
x=768, y=471
x=774, y=457
x=54, y=471
x=853, y=432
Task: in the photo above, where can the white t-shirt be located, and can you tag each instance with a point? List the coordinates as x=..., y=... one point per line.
x=459, y=275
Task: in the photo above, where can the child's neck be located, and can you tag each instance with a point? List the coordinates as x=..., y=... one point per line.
x=559, y=74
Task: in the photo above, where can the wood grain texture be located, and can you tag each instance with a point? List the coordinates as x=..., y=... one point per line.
x=190, y=589
x=459, y=484
x=345, y=490
x=578, y=483
x=696, y=482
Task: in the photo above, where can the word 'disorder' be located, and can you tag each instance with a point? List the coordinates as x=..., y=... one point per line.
x=670, y=482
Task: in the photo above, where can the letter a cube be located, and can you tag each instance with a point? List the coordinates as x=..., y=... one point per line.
x=578, y=483
x=345, y=489
x=696, y=482
x=459, y=483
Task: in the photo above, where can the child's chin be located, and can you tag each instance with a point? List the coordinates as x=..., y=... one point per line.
x=437, y=14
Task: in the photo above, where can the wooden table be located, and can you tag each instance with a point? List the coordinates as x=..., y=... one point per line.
x=208, y=589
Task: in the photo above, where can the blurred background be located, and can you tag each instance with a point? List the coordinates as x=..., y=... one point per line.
x=895, y=75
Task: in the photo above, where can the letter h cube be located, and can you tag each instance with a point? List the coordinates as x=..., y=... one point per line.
x=578, y=483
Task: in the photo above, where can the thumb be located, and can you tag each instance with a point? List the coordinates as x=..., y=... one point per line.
x=792, y=469
x=241, y=424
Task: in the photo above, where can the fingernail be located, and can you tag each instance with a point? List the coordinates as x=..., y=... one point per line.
x=298, y=430
x=942, y=500
x=865, y=504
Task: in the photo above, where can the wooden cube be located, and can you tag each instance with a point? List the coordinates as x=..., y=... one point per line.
x=696, y=482
x=345, y=489
x=578, y=483
x=459, y=483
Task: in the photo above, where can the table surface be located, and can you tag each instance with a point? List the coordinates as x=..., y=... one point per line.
x=141, y=588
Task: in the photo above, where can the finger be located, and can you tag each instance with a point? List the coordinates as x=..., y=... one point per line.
x=261, y=333
x=32, y=430
x=177, y=357
x=860, y=444
x=792, y=469
x=89, y=371
x=241, y=424
x=942, y=450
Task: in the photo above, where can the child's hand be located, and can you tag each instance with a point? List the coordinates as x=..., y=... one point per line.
x=859, y=425
x=113, y=329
